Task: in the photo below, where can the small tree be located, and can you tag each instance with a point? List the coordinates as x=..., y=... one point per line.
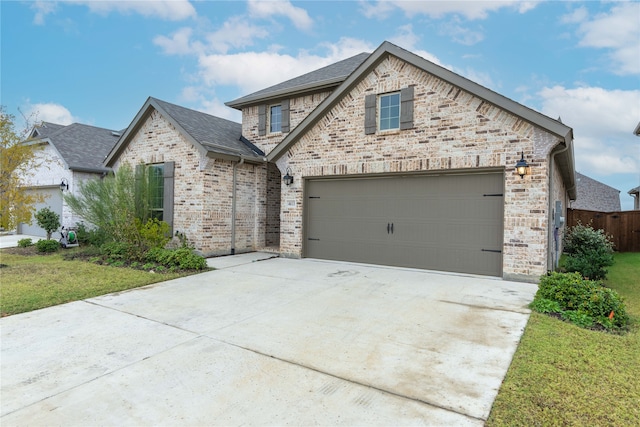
x=588, y=251
x=48, y=220
x=17, y=159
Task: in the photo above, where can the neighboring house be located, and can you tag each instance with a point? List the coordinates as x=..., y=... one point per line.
x=69, y=154
x=595, y=196
x=635, y=193
x=211, y=175
x=382, y=158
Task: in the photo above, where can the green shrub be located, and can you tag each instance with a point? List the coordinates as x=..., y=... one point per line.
x=94, y=236
x=117, y=250
x=48, y=220
x=583, y=302
x=588, y=251
x=543, y=305
x=47, y=246
x=153, y=233
x=25, y=243
x=182, y=259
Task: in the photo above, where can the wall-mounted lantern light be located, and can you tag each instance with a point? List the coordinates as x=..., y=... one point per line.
x=64, y=184
x=288, y=179
x=522, y=167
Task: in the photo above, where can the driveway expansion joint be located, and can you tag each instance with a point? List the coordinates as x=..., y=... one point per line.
x=382, y=390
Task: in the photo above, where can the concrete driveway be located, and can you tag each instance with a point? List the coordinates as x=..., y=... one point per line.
x=270, y=342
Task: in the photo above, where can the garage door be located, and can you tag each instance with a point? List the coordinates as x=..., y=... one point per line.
x=53, y=201
x=438, y=222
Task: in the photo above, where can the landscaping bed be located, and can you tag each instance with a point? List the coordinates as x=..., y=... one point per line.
x=562, y=374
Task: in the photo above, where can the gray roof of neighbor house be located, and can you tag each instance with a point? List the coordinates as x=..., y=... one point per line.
x=595, y=196
x=45, y=129
x=324, y=78
x=364, y=63
x=637, y=130
x=212, y=136
x=82, y=147
x=635, y=190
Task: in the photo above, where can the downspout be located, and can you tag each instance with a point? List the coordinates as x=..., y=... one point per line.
x=552, y=263
x=233, y=207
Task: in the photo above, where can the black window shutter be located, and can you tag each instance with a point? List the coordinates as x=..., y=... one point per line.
x=406, y=108
x=370, y=114
x=262, y=120
x=285, y=115
x=167, y=214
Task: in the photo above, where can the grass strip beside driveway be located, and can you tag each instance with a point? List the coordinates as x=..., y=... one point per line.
x=32, y=282
x=564, y=375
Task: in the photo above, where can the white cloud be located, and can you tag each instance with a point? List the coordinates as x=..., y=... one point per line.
x=437, y=9
x=266, y=9
x=42, y=9
x=618, y=31
x=49, y=112
x=179, y=43
x=170, y=10
x=228, y=36
x=251, y=71
x=602, y=121
x=461, y=32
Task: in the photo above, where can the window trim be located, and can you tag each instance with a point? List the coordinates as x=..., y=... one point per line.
x=390, y=118
x=271, y=122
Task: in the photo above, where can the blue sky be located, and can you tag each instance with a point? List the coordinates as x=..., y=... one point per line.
x=96, y=62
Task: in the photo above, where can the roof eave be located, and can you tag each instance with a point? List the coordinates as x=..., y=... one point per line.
x=239, y=103
x=89, y=170
x=637, y=130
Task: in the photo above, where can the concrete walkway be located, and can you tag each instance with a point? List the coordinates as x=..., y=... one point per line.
x=11, y=240
x=269, y=342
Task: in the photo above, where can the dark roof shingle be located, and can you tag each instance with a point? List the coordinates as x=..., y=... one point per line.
x=331, y=75
x=595, y=196
x=214, y=133
x=82, y=147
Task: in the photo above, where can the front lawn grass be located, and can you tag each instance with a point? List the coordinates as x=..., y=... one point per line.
x=37, y=281
x=564, y=375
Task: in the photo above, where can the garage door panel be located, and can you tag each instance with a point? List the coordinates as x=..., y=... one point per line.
x=445, y=222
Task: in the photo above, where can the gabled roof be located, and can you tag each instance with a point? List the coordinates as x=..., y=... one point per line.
x=212, y=136
x=595, y=196
x=323, y=78
x=635, y=190
x=555, y=127
x=82, y=147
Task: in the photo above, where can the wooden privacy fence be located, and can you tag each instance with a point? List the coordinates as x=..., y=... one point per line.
x=623, y=226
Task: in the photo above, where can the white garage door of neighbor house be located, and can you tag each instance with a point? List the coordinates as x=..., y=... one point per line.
x=449, y=222
x=53, y=201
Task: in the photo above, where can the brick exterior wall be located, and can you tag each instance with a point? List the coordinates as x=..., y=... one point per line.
x=453, y=130
x=203, y=189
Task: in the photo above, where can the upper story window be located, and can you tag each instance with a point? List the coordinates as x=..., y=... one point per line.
x=389, y=112
x=275, y=119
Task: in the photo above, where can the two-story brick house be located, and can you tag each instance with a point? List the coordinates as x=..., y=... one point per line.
x=382, y=158
x=398, y=161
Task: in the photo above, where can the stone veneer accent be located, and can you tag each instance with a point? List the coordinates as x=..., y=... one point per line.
x=453, y=130
x=203, y=189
